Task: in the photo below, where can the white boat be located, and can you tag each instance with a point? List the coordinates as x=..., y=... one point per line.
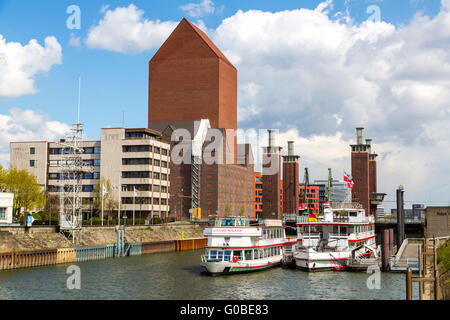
x=336, y=240
x=235, y=246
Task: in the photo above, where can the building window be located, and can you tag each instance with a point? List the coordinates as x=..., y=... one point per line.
x=164, y=152
x=88, y=188
x=32, y=150
x=55, y=151
x=163, y=176
x=136, y=161
x=96, y=175
x=156, y=150
x=136, y=174
x=88, y=175
x=2, y=213
x=53, y=176
x=89, y=150
x=32, y=163
x=143, y=148
x=164, y=189
x=163, y=201
x=156, y=163
x=97, y=150
x=155, y=200
x=155, y=175
x=164, y=164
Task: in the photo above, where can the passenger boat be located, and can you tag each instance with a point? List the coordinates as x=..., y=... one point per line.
x=235, y=246
x=336, y=240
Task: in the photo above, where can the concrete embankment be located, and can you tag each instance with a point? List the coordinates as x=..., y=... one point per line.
x=21, y=248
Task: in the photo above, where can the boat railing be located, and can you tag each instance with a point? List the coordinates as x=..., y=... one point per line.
x=337, y=235
x=302, y=219
x=289, y=217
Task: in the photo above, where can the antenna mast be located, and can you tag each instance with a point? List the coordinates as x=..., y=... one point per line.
x=72, y=168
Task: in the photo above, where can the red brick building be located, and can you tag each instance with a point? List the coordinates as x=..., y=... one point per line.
x=272, y=180
x=189, y=80
x=290, y=181
x=312, y=198
x=364, y=172
x=258, y=188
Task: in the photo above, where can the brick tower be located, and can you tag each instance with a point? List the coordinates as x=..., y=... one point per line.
x=191, y=79
x=364, y=172
x=290, y=180
x=271, y=180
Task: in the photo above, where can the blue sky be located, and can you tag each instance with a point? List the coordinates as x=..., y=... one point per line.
x=113, y=82
x=315, y=74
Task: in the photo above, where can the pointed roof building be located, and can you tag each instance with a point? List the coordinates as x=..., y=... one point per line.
x=191, y=79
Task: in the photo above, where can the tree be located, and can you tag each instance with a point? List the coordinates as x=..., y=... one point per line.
x=3, y=174
x=27, y=192
x=241, y=211
x=227, y=211
x=51, y=207
x=109, y=204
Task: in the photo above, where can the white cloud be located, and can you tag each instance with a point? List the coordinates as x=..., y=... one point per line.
x=318, y=78
x=125, y=30
x=27, y=125
x=74, y=41
x=20, y=64
x=197, y=10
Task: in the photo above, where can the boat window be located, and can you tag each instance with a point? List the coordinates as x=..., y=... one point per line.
x=238, y=254
x=248, y=254
x=227, y=255
x=343, y=230
x=213, y=254
x=255, y=252
x=351, y=230
x=219, y=255
x=227, y=223
x=353, y=214
x=266, y=252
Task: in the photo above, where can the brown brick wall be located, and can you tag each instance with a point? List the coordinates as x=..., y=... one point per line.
x=271, y=188
x=373, y=184
x=360, y=174
x=189, y=81
x=290, y=187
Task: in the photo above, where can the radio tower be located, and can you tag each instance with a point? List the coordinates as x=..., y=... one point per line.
x=72, y=168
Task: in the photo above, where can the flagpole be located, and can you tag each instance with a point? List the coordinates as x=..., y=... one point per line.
x=102, y=203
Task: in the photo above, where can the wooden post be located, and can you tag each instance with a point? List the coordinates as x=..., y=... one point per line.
x=409, y=284
x=419, y=259
x=436, y=276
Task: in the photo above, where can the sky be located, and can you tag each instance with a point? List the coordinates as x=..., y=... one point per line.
x=314, y=70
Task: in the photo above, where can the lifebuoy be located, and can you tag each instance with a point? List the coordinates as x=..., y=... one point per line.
x=235, y=259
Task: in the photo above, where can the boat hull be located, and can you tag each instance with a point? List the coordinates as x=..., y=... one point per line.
x=226, y=267
x=322, y=261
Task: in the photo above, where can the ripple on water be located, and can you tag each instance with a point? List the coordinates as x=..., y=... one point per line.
x=178, y=275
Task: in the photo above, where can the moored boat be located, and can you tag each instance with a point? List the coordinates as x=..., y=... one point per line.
x=235, y=246
x=336, y=240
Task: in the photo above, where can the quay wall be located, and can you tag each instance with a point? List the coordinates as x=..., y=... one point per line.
x=46, y=257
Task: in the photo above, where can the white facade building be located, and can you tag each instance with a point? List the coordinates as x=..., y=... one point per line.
x=6, y=208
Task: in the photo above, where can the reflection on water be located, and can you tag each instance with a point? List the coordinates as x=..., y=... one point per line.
x=178, y=275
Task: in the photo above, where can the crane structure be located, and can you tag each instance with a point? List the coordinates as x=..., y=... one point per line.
x=303, y=194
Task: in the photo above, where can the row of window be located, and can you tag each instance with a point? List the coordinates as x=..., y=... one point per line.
x=273, y=233
x=2, y=213
x=142, y=200
x=243, y=255
x=86, y=150
x=84, y=188
x=137, y=161
x=144, y=187
x=145, y=148
x=86, y=175
x=143, y=174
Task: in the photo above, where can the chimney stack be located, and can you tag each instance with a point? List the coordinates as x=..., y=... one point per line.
x=359, y=135
x=290, y=148
x=271, y=138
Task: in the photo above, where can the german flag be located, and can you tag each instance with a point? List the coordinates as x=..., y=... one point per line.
x=312, y=218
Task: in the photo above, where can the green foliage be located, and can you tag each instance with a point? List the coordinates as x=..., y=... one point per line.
x=443, y=255
x=241, y=211
x=227, y=211
x=3, y=174
x=26, y=190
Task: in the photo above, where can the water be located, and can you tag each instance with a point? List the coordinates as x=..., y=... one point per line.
x=178, y=275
